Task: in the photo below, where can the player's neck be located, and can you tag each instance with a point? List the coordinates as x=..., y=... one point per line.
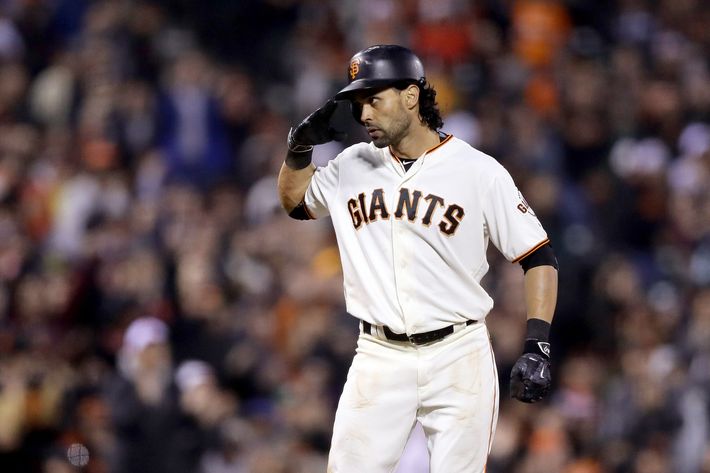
x=420, y=139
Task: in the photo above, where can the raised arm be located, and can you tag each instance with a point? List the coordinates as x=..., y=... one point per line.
x=297, y=170
x=293, y=184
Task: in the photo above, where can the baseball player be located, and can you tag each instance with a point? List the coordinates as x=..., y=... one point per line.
x=413, y=212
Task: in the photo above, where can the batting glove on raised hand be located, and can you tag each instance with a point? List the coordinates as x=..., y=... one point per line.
x=315, y=129
x=530, y=379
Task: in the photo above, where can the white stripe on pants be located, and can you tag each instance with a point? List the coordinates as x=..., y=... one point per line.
x=450, y=386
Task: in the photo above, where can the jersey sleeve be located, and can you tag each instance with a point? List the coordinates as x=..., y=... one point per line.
x=323, y=188
x=510, y=222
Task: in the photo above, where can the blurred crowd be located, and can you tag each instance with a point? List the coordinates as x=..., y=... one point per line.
x=158, y=307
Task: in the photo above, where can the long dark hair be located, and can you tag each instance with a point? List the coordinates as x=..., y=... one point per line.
x=428, y=108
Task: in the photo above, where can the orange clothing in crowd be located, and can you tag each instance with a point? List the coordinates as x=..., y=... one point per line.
x=540, y=29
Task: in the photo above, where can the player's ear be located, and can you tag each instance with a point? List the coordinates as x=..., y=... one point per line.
x=411, y=96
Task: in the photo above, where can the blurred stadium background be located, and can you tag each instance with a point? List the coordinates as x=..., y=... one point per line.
x=158, y=307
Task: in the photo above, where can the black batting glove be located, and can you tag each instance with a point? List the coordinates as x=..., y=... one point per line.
x=530, y=378
x=314, y=130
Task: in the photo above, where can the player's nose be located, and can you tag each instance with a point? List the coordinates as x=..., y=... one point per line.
x=365, y=113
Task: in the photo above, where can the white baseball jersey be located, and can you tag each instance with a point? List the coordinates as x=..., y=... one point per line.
x=413, y=243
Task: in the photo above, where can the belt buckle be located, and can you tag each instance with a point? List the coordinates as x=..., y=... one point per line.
x=424, y=338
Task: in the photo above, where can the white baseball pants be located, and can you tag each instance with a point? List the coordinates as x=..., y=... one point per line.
x=449, y=386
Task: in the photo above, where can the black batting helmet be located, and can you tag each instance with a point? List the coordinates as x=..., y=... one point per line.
x=380, y=66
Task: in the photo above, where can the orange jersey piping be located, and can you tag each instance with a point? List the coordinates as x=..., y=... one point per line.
x=532, y=250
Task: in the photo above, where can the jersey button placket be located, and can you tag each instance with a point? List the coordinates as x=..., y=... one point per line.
x=403, y=278
x=398, y=262
x=409, y=287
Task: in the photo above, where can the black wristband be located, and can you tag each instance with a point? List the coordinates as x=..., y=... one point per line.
x=298, y=159
x=538, y=329
x=537, y=337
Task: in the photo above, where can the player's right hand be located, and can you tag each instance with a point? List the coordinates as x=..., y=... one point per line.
x=530, y=379
x=315, y=129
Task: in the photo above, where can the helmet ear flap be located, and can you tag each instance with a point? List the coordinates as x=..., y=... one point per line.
x=356, y=110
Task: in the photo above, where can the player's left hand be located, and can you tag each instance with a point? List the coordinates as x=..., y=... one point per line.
x=530, y=379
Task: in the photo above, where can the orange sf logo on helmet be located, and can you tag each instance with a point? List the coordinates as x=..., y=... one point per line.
x=354, y=68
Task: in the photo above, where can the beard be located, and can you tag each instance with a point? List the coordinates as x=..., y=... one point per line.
x=394, y=133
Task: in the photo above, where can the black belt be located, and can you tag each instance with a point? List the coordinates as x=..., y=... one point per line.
x=417, y=338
